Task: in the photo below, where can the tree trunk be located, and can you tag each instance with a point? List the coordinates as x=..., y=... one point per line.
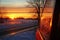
x=38, y=12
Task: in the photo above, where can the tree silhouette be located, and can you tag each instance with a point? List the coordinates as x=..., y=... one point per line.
x=36, y=5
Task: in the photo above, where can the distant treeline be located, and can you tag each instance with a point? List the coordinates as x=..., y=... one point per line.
x=3, y=19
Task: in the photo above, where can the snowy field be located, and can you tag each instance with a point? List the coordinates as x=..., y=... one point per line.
x=27, y=35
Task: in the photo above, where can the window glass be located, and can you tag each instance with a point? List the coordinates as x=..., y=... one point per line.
x=46, y=10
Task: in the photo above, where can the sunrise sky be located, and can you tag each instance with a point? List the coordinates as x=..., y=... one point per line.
x=17, y=11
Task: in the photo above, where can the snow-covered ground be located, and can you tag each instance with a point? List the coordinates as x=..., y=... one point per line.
x=18, y=24
x=27, y=35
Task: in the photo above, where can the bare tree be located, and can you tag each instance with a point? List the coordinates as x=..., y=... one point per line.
x=36, y=4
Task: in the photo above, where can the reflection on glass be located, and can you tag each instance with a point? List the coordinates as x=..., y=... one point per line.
x=46, y=10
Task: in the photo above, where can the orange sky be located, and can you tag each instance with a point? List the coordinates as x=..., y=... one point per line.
x=18, y=12
x=23, y=15
x=21, y=12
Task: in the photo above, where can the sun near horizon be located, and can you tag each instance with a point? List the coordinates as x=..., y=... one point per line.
x=19, y=15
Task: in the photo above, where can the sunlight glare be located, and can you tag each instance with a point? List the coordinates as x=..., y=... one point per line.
x=21, y=15
x=12, y=16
